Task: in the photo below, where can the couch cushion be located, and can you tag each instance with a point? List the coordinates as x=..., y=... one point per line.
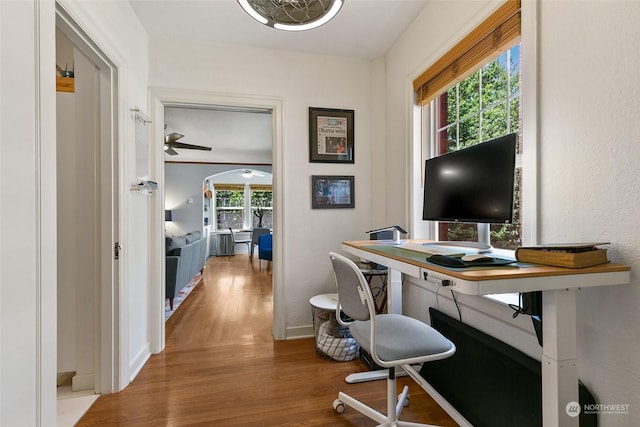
x=193, y=236
x=172, y=242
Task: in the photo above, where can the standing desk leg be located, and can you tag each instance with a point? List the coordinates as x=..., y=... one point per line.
x=560, y=407
x=394, y=305
x=394, y=291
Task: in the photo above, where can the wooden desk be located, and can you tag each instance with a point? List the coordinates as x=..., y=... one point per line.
x=559, y=356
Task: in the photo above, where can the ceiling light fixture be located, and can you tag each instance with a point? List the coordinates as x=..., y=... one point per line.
x=247, y=174
x=292, y=15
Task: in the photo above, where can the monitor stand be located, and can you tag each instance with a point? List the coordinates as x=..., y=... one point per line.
x=482, y=245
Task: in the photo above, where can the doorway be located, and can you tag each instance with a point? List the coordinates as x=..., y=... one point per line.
x=165, y=97
x=87, y=211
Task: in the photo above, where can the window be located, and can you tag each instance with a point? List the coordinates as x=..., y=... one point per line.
x=243, y=206
x=471, y=95
x=481, y=107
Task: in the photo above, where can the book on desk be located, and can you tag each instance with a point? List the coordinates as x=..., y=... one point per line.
x=570, y=255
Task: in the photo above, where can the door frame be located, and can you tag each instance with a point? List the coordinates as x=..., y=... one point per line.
x=159, y=98
x=111, y=335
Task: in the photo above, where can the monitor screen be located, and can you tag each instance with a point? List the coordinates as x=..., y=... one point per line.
x=474, y=184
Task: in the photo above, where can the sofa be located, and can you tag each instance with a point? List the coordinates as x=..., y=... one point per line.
x=185, y=257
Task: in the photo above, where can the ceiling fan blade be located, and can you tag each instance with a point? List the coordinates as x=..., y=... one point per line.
x=189, y=146
x=172, y=137
x=170, y=151
x=256, y=173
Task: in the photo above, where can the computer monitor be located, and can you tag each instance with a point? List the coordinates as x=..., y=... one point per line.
x=472, y=185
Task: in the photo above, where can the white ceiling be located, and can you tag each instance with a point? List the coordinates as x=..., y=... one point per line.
x=362, y=29
x=235, y=135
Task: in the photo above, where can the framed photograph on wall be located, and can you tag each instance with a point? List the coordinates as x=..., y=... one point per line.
x=331, y=135
x=332, y=192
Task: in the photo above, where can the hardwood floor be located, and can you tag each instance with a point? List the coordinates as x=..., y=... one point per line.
x=221, y=367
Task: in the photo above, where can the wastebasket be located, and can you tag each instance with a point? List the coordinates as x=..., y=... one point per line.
x=332, y=339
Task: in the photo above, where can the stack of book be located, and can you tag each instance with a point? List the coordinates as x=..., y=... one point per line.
x=571, y=255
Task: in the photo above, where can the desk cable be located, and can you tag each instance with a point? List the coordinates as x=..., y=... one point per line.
x=455, y=300
x=437, y=300
x=453, y=294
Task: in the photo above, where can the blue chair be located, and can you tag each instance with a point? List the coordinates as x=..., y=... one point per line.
x=265, y=248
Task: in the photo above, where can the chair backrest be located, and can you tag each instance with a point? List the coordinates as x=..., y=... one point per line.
x=257, y=232
x=233, y=237
x=354, y=294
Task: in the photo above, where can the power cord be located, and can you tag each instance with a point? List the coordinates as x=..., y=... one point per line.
x=517, y=309
x=454, y=300
x=453, y=294
x=530, y=306
x=438, y=300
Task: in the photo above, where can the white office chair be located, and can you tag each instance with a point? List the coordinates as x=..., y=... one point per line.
x=235, y=241
x=392, y=340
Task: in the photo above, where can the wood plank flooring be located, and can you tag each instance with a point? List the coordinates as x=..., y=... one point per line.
x=221, y=367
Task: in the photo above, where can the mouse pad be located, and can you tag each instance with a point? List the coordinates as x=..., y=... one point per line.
x=456, y=262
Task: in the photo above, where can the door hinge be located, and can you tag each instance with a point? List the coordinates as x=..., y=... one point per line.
x=116, y=250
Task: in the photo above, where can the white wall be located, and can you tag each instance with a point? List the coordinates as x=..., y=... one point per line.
x=590, y=142
x=301, y=81
x=589, y=158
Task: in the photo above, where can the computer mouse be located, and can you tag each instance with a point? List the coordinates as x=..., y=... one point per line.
x=476, y=258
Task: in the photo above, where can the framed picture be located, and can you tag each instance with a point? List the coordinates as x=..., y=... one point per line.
x=331, y=135
x=332, y=192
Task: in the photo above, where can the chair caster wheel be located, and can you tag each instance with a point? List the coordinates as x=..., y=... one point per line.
x=338, y=406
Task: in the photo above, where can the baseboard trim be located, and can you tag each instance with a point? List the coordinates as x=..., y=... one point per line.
x=139, y=361
x=299, y=332
x=83, y=382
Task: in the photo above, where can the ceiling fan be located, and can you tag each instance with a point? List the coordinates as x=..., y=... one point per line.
x=171, y=143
